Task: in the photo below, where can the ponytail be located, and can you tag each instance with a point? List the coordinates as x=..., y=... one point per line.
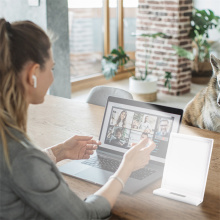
x=5, y=57
x=20, y=42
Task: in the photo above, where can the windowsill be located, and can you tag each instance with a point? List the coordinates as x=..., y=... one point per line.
x=78, y=79
x=95, y=80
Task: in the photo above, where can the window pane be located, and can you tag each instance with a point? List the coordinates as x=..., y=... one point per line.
x=86, y=37
x=113, y=7
x=130, y=11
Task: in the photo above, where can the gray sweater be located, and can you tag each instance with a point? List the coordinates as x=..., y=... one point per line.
x=36, y=190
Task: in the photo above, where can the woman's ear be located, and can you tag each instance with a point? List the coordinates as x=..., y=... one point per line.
x=32, y=75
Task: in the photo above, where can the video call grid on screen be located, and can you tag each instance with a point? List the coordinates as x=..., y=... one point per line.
x=118, y=136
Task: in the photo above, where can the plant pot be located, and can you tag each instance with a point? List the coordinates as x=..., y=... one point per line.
x=144, y=89
x=204, y=73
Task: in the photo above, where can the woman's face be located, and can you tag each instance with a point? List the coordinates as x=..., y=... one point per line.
x=123, y=115
x=44, y=80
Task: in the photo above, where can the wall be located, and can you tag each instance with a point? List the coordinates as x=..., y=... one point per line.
x=171, y=17
x=14, y=10
x=57, y=21
x=52, y=15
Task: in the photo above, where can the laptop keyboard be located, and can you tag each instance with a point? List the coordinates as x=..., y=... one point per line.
x=103, y=163
x=112, y=165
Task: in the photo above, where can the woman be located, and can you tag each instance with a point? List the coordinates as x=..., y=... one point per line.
x=31, y=187
x=121, y=121
x=145, y=125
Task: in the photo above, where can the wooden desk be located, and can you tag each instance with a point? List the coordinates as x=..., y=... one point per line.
x=57, y=119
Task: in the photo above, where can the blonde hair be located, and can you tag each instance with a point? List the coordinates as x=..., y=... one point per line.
x=20, y=42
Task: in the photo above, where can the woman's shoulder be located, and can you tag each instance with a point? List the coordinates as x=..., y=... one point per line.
x=18, y=142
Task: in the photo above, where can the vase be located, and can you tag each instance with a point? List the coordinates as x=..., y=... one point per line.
x=146, y=89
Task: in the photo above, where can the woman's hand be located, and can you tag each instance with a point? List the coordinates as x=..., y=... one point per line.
x=75, y=148
x=135, y=158
x=139, y=155
x=79, y=147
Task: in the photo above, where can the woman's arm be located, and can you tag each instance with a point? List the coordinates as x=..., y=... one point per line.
x=75, y=148
x=43, y=192
x=135, y=158
x=42, y=186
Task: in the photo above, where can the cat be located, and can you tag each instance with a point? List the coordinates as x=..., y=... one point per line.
x=203, y=111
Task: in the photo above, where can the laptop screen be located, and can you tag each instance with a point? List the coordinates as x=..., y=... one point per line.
x=128, y=121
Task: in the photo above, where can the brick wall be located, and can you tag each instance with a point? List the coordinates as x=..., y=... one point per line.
x=172, y=17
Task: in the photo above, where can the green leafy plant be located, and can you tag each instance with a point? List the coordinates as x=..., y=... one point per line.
x=111, y=62
x=158, y=34
x=183, y=53
x=201, y=22
x=168, y=77
x=118, y=57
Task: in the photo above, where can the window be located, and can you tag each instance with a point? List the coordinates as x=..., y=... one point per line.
x=129, y=22
x=95, y=28
x=86, y=37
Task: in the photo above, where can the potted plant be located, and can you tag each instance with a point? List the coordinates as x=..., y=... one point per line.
x=111, y=62
x=144, y=83
x=201, y=22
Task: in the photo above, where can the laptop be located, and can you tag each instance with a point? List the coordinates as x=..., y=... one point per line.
x=125, y=122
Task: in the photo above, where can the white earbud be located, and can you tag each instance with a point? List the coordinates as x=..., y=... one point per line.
x=35, y=81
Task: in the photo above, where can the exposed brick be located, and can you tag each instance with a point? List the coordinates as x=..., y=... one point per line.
x=159, y=53
x=186, y=69
x=187, y=14
x=157, y=41
x=184, y=19
x=183, y=8
x=173, y=14
x=161, y=64
x=170, y=3
x=168, y=48
x=153, y=2
x=172, y=32
x=169, y=60
x=183, y=31
x=188, y=2
x=171, y=20
x=156, y=58
x=188, y=79
x=143, y=6
x=155, y=18
x=185, y=91
x=168, y=17
x=188, y=26
x=173, y=42
x=172, y=8
x=160, y=13
x=157, y=8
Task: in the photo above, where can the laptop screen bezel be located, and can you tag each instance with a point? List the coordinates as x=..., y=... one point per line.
x=140, y=104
